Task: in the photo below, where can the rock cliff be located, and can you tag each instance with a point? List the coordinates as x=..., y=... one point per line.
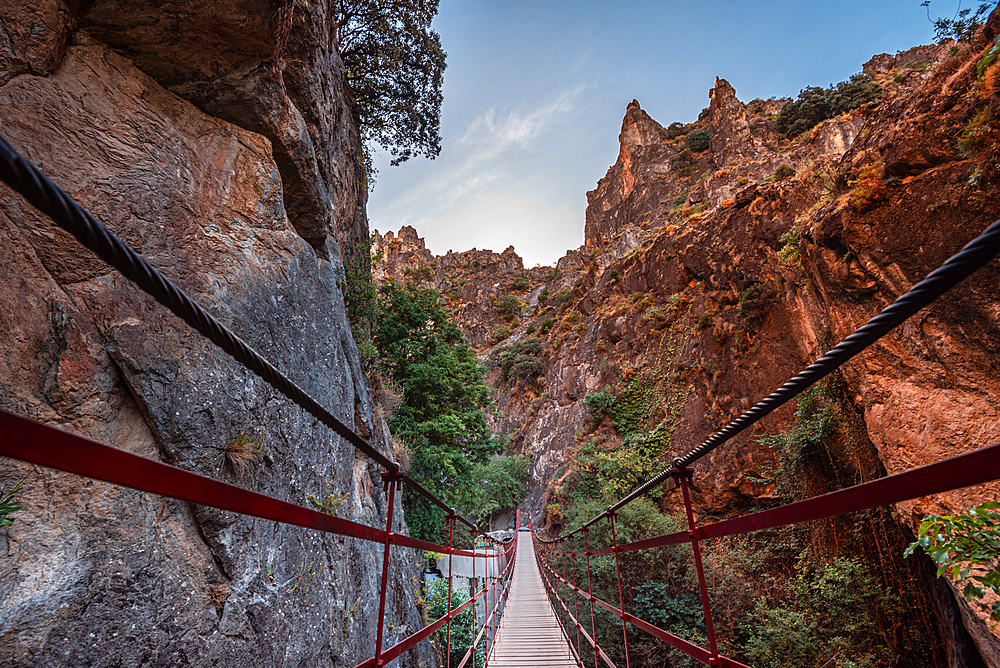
x=216, y=139
x=716, y=277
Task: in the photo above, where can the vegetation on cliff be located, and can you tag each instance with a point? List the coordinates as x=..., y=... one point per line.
x=442, y=418
x=395, y=67
x=818, y=104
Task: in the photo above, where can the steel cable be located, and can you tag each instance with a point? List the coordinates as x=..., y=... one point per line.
x=22, y=176
x=976, y=254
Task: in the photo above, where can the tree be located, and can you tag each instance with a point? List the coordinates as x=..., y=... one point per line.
x=500, y=485
x=818, y=104
x=442, y=418
x=960, y=27
x=395, y=67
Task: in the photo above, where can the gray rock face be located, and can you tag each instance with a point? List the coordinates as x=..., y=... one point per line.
x=97, y=575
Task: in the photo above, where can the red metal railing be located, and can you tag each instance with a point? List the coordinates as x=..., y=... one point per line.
x=965, y=470
x=38, y=443
x=33, y=442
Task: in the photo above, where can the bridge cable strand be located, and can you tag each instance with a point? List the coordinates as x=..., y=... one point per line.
x=22, y=176
x=976, y=254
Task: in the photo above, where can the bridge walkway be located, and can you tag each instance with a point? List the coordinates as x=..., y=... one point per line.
x=529, y=633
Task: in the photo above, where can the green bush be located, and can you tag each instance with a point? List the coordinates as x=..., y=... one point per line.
x=967, y=546
x=500, y=333
x=829, y=621
x=697, y=140
x=436, y=604
x=599, y=403
x=508, y=306
x=520, y=283
x=521, y=359
x=545, y=325
x=818, y=104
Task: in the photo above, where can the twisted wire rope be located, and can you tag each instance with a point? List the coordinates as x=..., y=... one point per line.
x=22, y=176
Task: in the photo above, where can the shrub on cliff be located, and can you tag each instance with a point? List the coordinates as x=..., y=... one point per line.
x=962, y=26
x=818, y=104
x=521, y=359
x=697, y=140
x=508, y=307
x=395, y=67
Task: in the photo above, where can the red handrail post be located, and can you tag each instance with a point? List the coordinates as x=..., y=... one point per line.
x=451, y=547
x=390, y=481
x=576, y=599
x=472, y=532
x=683, y=476
x=621, y=595
x=590, y=594
x=561, y=566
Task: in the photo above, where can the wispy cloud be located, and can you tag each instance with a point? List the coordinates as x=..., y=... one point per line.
x=476, y=160
x=492, y=134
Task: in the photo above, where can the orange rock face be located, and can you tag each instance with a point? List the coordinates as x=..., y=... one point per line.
x=718, y=281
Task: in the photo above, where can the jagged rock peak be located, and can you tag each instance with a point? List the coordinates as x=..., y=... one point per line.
x=639, y=129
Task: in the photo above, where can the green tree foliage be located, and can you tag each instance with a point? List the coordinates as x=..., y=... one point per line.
x=442, y=417
x=818, y=104
x=521, y=359
x=962, y=26
x=697, y=140
x=361, y=299
x=395, y=67
x=499, y=485
x=828, y=621
x=967, y=546
x=436, y=602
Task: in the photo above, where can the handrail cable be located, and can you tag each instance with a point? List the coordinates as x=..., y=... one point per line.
x=34, y=442
x=976, y=254
x=22, y=176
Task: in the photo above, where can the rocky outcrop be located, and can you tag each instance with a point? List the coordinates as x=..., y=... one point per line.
x=751, y=276
x=471, y=281
x=717, y=279
x=270, y=66
x=98, y=575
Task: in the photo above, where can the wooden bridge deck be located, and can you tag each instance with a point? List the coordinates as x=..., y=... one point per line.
x=529, y=633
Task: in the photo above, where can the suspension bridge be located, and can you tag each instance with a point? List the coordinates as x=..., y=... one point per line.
x=537, y=586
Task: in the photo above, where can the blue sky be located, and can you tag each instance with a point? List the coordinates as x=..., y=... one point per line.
x=535, y=92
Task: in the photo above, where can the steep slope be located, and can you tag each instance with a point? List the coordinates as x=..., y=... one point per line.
x=709, y=277
x=216, y=138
